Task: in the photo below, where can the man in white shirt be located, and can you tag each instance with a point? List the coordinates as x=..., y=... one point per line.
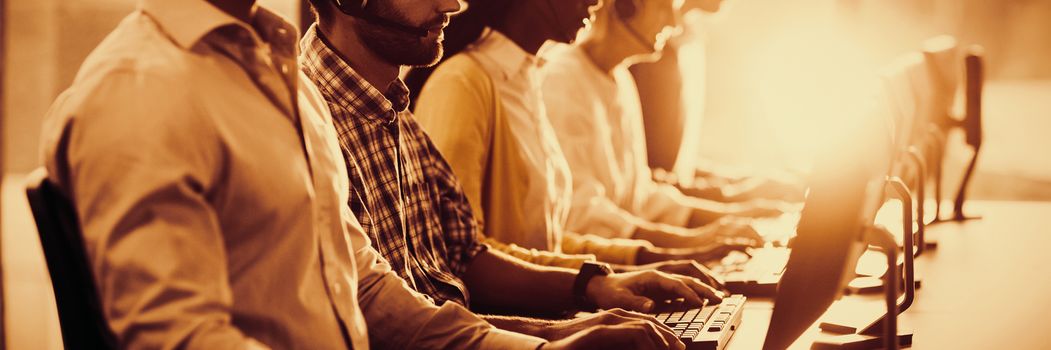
x=593, y=105
x=211, y=190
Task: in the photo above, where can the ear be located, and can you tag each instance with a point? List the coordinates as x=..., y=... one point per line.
x=351, y=7
x=626, y=9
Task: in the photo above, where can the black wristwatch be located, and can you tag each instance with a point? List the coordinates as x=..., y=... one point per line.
x=589, y=270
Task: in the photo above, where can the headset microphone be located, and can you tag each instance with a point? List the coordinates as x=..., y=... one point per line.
x=356, y=8
x=625, y=10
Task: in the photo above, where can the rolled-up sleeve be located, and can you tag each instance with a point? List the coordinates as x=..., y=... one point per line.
x=541, y=257
x=612, y=250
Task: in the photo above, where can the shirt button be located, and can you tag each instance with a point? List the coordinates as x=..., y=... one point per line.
x=284, y=69
x=336, y=288
x=281, y=31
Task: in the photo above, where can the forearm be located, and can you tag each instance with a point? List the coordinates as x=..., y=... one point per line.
x=531, y=326
x=706, y=211
x=661, y=235
x=541, y=257
x=610, y=250
x=498, y=281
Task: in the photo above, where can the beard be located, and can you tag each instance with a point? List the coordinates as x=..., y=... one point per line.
x=396, y=46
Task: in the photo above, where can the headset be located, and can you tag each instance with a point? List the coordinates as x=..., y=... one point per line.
x=624, y=10
x=557, y=22
x=358, y=9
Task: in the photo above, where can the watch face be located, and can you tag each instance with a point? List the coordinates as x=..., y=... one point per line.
x=605, y=268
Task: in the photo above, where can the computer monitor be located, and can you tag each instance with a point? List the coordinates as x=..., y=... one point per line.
x=846, y=190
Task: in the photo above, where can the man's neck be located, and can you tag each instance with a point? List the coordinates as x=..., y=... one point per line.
x=240, y=9
x=608, y=50
x=374, y=69
x=524, y=36
x=522, y=29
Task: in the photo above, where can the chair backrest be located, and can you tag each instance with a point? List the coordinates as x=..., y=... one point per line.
x=942, y=56
x=975, y=82
x=79, y=310
x=900, y=91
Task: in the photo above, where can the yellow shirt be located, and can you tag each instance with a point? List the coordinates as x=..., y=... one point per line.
x=482, y=108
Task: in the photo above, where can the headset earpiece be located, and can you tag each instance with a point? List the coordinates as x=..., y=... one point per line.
x=354, y=8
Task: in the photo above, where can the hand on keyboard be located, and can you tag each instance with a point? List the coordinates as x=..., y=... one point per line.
x=728, y=230
x=688, y=268
x=643, y=335
x=566, y=328
x=638, y=290
x=758, y=208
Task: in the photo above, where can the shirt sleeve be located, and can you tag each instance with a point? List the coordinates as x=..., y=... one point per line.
x=454, y=109
x=615, y=251
x=462, y=235
x=399, y=318
x=541, y=257
x=139, y=165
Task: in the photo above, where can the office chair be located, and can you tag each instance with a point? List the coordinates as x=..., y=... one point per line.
x=79, y=309
x=943, y=63
x=972, y=122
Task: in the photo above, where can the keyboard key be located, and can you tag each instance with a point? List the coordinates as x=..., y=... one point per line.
x=690, y=315
x=705, y=314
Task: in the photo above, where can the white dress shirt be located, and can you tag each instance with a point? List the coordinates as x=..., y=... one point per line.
x=598, y=121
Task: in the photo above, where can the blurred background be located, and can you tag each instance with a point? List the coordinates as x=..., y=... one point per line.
x=763, y=80
x=767, y=77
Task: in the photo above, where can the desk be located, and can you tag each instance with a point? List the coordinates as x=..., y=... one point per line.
x=986, y=286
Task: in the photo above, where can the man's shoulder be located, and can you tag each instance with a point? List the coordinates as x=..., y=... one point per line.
x=138, y=44
x=563, y=58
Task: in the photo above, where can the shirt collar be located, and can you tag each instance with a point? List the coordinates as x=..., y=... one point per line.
x=187, y=22
x=342, y=85
x=511, y=59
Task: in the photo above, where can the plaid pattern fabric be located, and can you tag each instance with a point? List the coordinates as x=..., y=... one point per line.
x=402, y=190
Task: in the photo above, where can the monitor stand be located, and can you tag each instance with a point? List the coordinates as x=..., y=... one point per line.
x=865, y=284
x=867, y=335
x=883, y=333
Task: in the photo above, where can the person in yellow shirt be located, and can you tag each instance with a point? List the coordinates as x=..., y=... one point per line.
x=483, y=109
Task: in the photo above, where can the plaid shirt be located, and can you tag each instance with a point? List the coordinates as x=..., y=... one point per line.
x=402, y=190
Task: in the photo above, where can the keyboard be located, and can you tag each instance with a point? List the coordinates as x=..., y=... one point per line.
x=755, y=276
x=706, y=328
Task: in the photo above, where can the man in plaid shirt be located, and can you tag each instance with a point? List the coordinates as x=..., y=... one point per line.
x=409, y=203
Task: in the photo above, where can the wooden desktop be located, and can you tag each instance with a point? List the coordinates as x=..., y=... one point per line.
x=986, y=285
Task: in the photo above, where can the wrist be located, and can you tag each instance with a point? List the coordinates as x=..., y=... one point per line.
x=590, y=275
x=594, y=287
